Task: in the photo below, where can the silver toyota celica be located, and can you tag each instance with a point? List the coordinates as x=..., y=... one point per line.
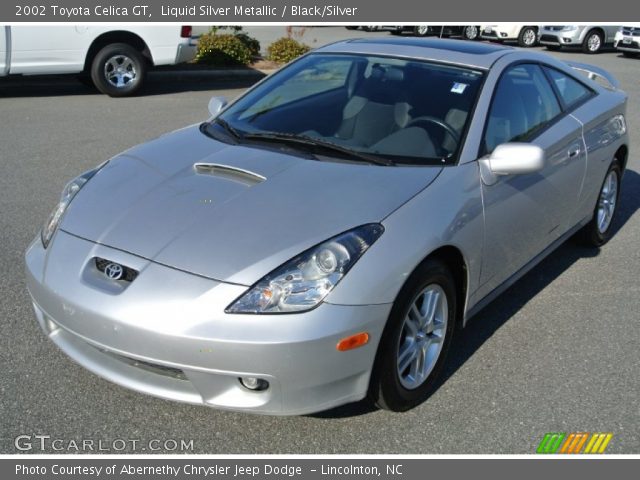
x=319, y=240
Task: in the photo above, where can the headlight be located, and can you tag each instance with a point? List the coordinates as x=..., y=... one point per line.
x=303, y=282
x=569, y=28
x=70, y=191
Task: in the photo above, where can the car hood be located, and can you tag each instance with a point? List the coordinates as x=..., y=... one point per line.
x=170, y=201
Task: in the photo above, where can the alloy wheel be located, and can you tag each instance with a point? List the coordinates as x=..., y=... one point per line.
x=471, y=32
x=120, y=71
x=607, y=201
x=422, y=336
x=594, y=42
x=529, y=37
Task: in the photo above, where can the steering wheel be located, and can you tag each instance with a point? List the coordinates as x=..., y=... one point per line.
x=436, y=121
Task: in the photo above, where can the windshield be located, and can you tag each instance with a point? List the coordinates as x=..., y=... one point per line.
x=404, y=110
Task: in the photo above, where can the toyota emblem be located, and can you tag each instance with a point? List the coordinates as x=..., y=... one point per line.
x=113, y=271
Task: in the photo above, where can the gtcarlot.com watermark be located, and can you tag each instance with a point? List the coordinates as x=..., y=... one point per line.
x=47, y=443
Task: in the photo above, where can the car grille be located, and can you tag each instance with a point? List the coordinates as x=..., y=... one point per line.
x=553, y=28
x=128, y=274
x=549, y=38
x=634, y=31
x=490, y=35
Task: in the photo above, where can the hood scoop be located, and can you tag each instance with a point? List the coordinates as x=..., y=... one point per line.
x=227, y=172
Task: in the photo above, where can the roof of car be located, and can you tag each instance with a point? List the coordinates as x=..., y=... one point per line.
x=474, y=54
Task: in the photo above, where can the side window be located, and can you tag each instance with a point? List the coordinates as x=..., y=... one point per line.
x=523, y=104
x=571, y=91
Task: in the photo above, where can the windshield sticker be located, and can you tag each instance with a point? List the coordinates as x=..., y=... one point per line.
x=459, y=87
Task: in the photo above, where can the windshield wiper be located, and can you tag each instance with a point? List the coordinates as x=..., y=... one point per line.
x=228, y=128
x=315, y=142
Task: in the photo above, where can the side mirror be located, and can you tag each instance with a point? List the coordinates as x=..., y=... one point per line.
x=516, y=158
x=216, y=104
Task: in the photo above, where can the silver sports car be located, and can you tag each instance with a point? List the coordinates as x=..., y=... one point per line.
x=320, y=239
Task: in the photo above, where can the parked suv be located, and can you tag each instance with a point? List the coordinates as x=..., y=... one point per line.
x=591, y=38
x=525, y=35
x=627, y=40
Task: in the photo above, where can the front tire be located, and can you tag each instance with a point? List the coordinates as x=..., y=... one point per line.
x=421, y=30
x=415, y=342
x=118, y=70
x=593, y=42
x=528, y=37
x=598, y=231
x=470, y=32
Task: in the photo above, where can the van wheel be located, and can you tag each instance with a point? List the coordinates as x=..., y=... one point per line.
x=414, y=345
x=118, y=70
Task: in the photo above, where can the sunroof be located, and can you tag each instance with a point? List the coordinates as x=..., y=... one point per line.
x=474, y=48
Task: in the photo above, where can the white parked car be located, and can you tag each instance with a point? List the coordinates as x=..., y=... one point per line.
x=591, y=38
x=627, y=40
x=525, y=35
x=116, y=59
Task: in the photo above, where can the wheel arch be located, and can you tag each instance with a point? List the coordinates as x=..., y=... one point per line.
x=622, y=155
x=454, y=259
x=117, y=36
x=595, y=29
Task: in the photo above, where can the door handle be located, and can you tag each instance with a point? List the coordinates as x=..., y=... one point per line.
x=574, y=152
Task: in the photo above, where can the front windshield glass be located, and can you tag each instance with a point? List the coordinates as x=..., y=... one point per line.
x=405, y=110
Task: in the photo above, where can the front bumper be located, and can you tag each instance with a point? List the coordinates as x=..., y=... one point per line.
x=166, y=334
x=559, y=38
x=628, y=44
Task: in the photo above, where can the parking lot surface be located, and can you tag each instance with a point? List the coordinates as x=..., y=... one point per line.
x=558, y=352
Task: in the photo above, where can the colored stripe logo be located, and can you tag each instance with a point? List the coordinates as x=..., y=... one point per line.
x=574, y=443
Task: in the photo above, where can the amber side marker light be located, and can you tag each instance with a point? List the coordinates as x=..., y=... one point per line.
x=354, y=341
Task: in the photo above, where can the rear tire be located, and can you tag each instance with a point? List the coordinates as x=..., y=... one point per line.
x=593, y=42
x=118, y=70
x=598, y=231
x=416, y=339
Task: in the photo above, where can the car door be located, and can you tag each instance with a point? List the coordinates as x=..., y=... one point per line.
x=527, y=212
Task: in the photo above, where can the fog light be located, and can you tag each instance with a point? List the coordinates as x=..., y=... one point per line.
x=502, y=34
x=566, y=40
x=253, y=383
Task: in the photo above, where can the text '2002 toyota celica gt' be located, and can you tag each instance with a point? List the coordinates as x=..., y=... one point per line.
x=319, y=240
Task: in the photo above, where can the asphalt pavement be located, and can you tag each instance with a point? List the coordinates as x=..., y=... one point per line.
x=558, y=352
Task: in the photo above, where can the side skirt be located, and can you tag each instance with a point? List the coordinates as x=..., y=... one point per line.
x=491, y=296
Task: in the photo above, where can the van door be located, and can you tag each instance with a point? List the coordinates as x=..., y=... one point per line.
x=45, y=49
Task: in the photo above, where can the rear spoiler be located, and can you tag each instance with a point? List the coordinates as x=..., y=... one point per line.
x=596, y=74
